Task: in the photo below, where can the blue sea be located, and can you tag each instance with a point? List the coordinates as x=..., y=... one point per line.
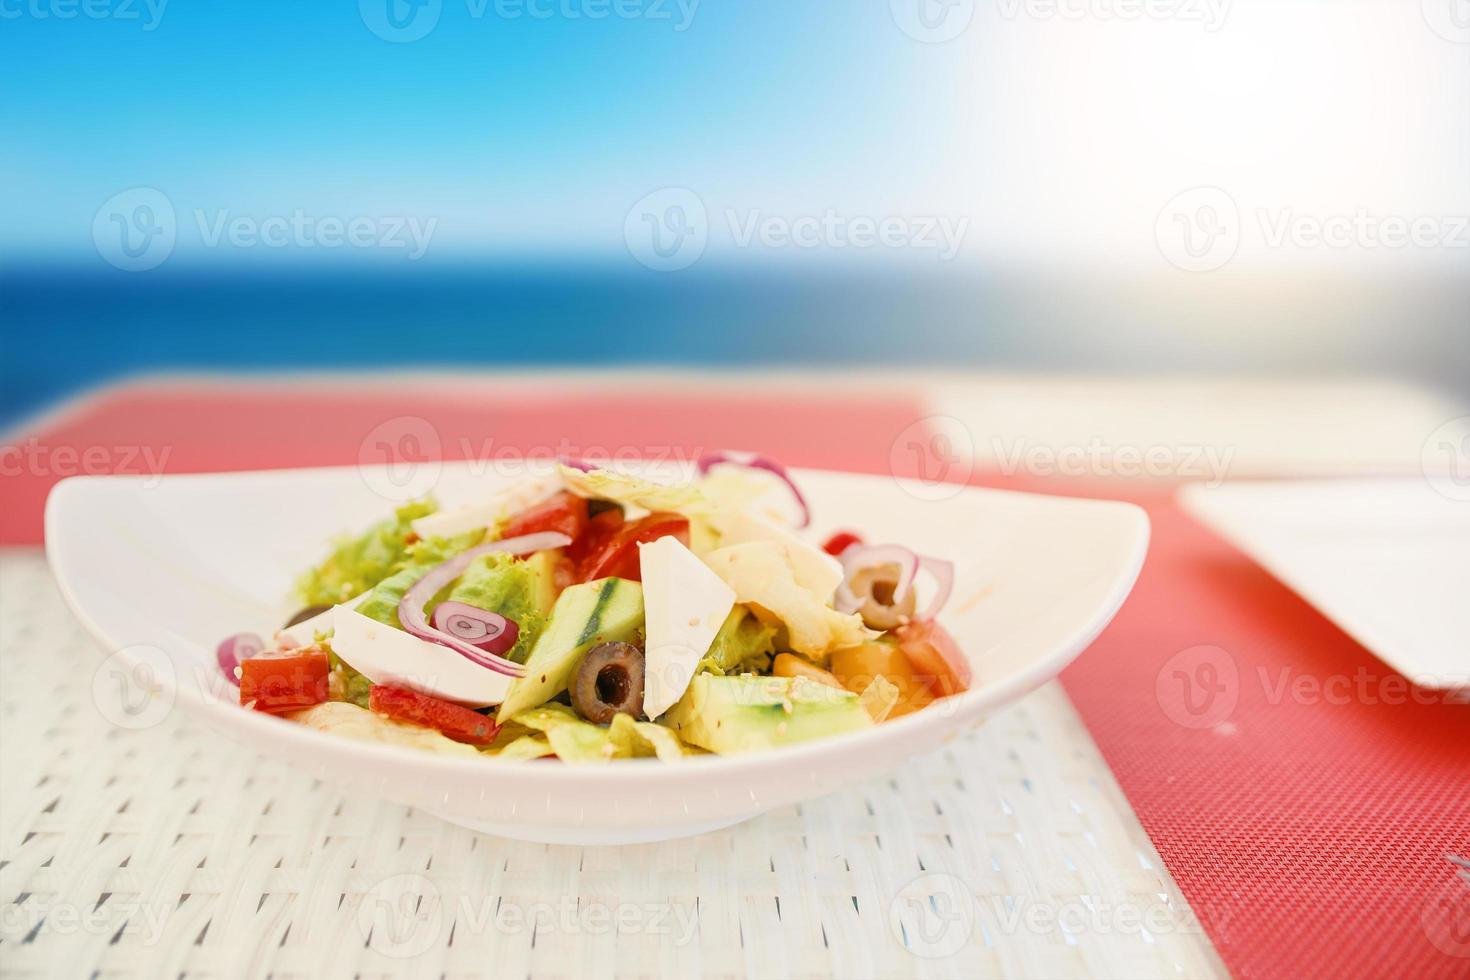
x=64, y=328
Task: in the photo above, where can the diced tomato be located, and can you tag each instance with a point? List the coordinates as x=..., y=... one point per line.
x=600, y=530
x=618, y=557
x=288, y=683
x=840, y=542
x=935, y=656
x=564, y=512
x=451, y=720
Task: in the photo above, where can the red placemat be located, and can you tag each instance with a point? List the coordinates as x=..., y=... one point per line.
x=1304, y=801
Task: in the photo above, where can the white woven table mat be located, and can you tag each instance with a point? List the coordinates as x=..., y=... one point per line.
x=172, y=852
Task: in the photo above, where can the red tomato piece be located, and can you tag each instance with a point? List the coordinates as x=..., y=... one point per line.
x=451, y=720
x=285, y=683
x=840, y=542
x=935, y=656
x=618, y=558
x=600, y=530
x=564, y=512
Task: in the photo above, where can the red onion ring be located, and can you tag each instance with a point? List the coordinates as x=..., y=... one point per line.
x=857, y=557
x=478, y=627
x=411, y=607
x=229, y=654
x=860, y=556
x=757, y=462
x=943, y=572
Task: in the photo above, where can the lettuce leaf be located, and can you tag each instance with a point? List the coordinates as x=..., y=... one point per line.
x=516, y=589
x=358, y=563
x=576, y=740
x=344, y=682
x=632, y=491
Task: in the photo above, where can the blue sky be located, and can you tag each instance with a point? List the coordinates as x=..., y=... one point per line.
x=512, y=130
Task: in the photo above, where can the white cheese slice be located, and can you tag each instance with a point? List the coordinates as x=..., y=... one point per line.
x=814, y=570
x=478, y=516
x=386, y=655
x=684, y=606
x=304, y=633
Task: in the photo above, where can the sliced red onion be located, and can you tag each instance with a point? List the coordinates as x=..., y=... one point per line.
x=857, y=557
x=576, y=464
x=411, y=607
x=489, y=631
x=943, y=572
x=860, y=556
x=238, y=648
x=756, y=462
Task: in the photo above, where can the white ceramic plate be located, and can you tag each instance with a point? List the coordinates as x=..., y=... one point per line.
x=158, y=571
x=1384, y=559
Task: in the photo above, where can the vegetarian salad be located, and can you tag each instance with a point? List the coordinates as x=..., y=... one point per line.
x=596, y=615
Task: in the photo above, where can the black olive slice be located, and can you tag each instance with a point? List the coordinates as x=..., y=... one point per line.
x=609, y=681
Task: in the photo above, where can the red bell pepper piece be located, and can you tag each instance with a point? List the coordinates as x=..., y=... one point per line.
x=451, y=720
x=840, y=542
x=285, y=683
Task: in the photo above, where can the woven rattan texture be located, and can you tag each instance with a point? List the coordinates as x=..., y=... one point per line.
x=171, y=852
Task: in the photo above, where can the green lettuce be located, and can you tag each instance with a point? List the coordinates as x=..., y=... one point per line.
x=346, y=684
x=356, y=564
x=742, y=646
x=516, y=589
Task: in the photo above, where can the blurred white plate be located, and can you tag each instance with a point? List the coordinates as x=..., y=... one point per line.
x=160, y=571
x=1386, y=560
